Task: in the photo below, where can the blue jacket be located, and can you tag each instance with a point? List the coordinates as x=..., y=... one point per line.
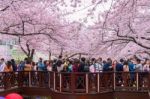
x=131, y=66
x=41, y=66
x=106, y=67
x=119, y=67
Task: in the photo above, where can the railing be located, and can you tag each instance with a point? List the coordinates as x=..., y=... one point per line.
x=77, y=82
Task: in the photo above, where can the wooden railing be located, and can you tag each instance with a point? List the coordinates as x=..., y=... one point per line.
x=77, y=82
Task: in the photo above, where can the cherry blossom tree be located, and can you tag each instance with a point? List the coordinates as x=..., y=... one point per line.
x=126, y=22
x=30, y=21
x=104, y=27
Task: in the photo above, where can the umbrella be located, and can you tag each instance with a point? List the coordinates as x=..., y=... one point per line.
x=13, y=96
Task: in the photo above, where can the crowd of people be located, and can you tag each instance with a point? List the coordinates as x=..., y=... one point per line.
x=76, y=65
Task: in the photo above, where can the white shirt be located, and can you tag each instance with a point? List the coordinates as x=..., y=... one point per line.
x=49, y=68
x=96, y=68
x=139, y=67
x=60, y=68
x=2, y=66
x=146, y=68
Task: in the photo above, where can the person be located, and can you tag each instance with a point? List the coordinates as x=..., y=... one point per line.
x=119, y=66
x=92, y=68
x=8, y=75
x=146, y=67
x=59, y=66
x=108, y=65
x=100, y=61
x=95, y=67
x=14, y=66
x=114, y=65
x=125, y=67
x=2, y=64
x=8, y=67
x=21, y=66
x=132, y=71
x=40, y=65
x=34, y=67
x=65, y=69
x=138, y=66
x=82, y=65
x=28, y=66
x=45, y=65
x=119, y=69
x=75, y=65
x=70, y=66
x=125, y=74
x=49, y=65
x=131, y=65
x=146, y=70
x=65, y=63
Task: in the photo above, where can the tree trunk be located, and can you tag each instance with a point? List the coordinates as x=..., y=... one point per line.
x=32, y=53
x=50, y=54
x=61, y=52
x=80, y=55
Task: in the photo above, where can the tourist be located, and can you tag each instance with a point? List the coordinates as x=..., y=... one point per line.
x=132, y=71
x=34, y=67
x=28, y=66
x=126, y=74
x=125, y=67
x=59, y=66
x=21, y=66
x=8, y=67
x=93, y=67
x=119, y=70
x=14, y=66
x=114, y=65
x=146, y=67
x=49, y=65
x=76, y=65
x=138, y=66
x=70, y=66
x=100, y=62
x=108, y=65
x=119, y=66
x=82, y=65
x=2, y=64
x=40, y=65
x=54, y=65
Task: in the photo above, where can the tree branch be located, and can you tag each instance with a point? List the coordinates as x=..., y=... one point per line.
x=22, y=47
x=5, y=8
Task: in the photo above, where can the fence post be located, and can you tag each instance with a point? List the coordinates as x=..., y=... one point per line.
x=49, y=84
x=114, y=79
x=29, y=78
x=98, y=81
x=137, y=81
x=87, y=83
x=54, y=81
x=72, y=82
x=60, y=82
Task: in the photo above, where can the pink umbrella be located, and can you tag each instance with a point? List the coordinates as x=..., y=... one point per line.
x=13, y=96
